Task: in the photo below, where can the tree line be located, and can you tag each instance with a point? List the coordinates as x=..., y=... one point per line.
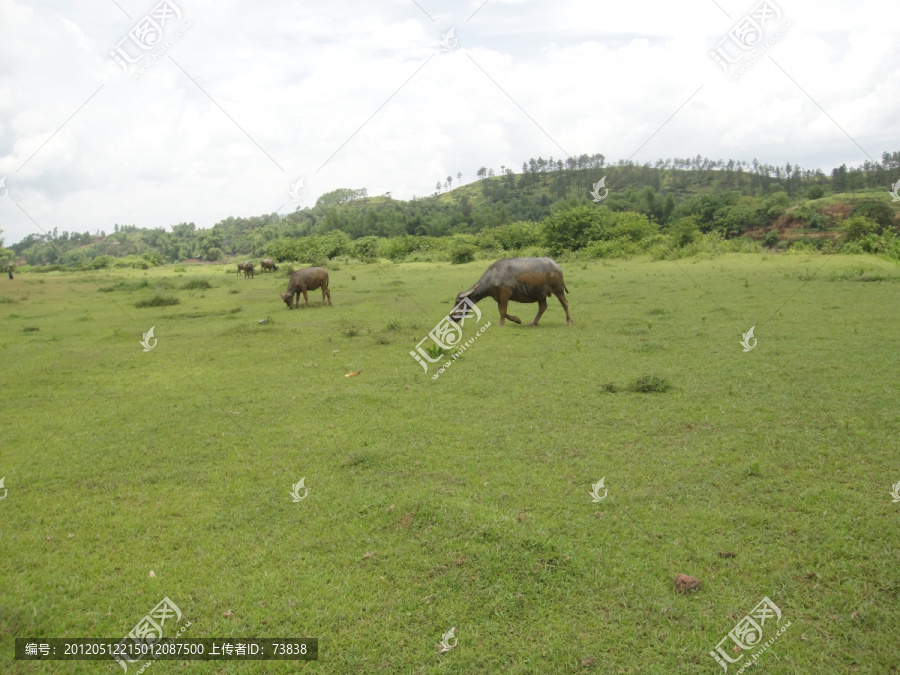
x=727, y=197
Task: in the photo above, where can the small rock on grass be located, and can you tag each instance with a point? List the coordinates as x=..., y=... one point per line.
x=684, y=583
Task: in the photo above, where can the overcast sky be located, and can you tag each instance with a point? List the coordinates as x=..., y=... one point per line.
x=245, y=99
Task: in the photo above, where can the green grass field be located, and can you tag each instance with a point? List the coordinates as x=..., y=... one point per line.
x=463, y=501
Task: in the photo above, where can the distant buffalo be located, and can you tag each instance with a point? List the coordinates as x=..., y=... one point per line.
x=268, y=264
x=10, y=270
x=519, y=280
x=304, y=280
x=246, y=268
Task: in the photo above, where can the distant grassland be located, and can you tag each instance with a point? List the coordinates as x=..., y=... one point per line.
x=462, y=502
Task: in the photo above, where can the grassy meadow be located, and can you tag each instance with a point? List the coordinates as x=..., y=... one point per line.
x=463, y=501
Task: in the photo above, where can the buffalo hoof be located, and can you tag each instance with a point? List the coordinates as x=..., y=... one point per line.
x=569, y=322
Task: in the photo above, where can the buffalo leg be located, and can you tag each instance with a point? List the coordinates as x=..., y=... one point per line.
x=305, y=297
x=326, y=292
x=503, y=303
x=542, y=307
x=565, y=304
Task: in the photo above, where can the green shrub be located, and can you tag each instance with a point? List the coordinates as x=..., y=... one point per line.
x=815, y=192
x=875, y=210
x=650, y=384
x=745, y=214
x=802, y=247
x=771, y=239
x=75, y=257
x=415, y=248
x=125, y=286
x=631, y=225
x=196, y=284
x=153, y=258
x=887, y=245
x=684, y=230
x=157, y=301
x=572, y=228
x=857, y=227
x=397, y=248
x=101, y=262
x=315, y=250
x=365, y=248
x=462, y=253
x=613, y=248
x=134, y=262
x=510, y=237
x=808, y=217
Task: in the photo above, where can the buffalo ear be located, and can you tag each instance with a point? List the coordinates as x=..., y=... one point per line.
x=466, y=294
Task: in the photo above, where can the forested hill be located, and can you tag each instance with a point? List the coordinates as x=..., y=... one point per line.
x=731, y=198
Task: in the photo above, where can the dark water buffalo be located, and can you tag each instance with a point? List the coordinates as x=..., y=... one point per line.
x=304, y=280
x=519, y=280
x=268, y=264
x=246, y=268
x=10, y=270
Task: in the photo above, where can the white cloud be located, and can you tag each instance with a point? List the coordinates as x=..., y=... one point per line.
x=299, y=81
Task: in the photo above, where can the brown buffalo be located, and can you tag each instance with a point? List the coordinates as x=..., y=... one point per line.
x=246, y=268
x=519, y=280
x=268, y=264
x=304, y=280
